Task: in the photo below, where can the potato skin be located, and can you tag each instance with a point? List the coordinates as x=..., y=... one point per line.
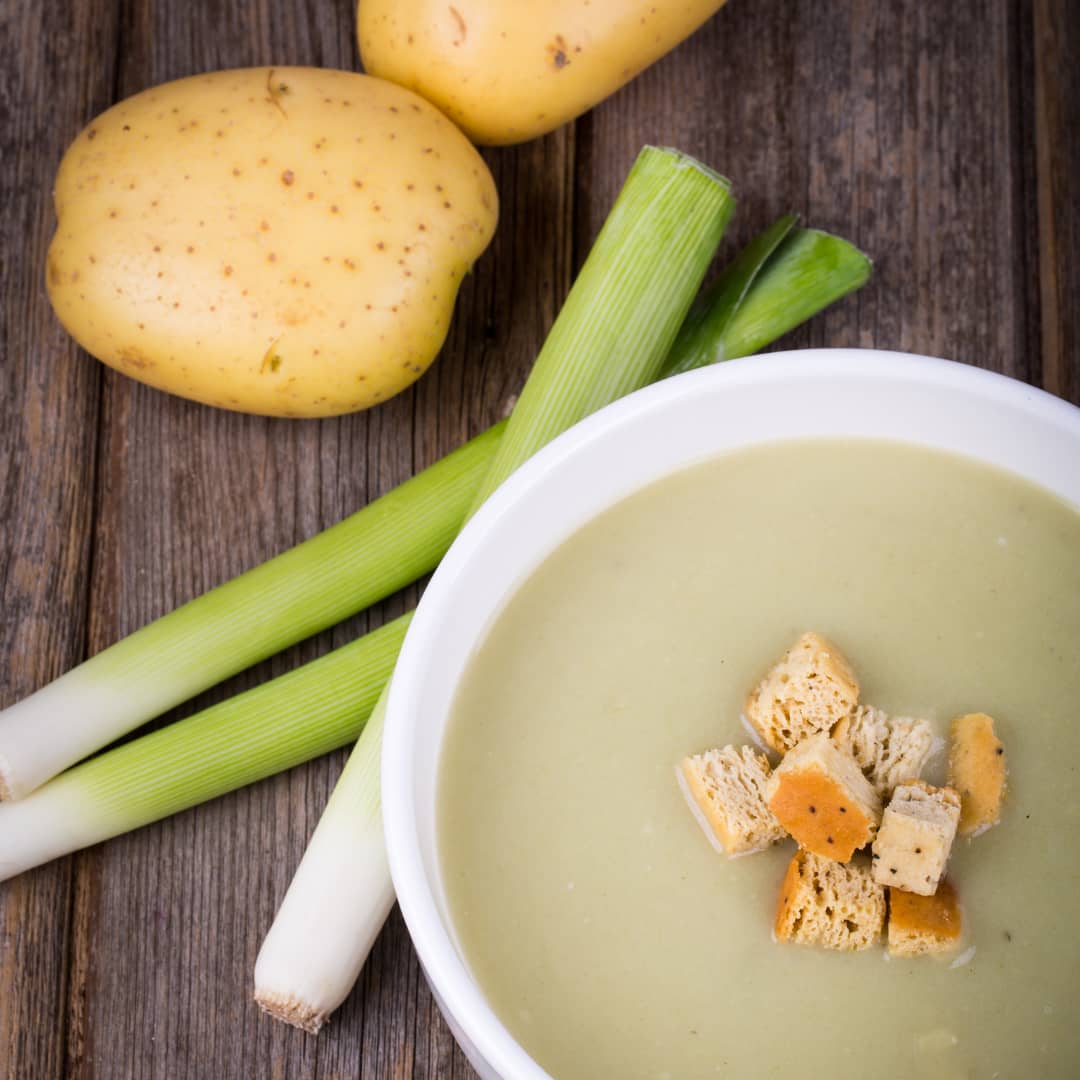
x=283, y=241
x=508, y=72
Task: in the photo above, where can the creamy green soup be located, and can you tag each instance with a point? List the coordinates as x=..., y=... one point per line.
x=608, y=935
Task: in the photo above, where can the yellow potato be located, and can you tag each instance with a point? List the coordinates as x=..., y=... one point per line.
x=507, y=72
x=285, y=241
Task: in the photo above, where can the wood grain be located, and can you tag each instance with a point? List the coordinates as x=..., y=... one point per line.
x=49, y=412
x=941, y=138
x=1056, y=31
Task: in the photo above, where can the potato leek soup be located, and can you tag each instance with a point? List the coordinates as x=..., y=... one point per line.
x=607, y=933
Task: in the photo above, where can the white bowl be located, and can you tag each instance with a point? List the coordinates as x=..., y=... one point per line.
x=657, y=431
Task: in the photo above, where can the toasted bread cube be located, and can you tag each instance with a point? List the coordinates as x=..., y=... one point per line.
x=824, y=903
x=808, y=691
x=920, y=925
x=726, y=790
x=977, y=770
x=916, y=835
x=889, y=750
x=819, y=794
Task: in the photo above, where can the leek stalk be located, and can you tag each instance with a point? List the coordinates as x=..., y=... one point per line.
x=624, y=312
x=293, y=718
x=382, y=548
x=337, y=901
x=612, y=336
x=783, y=277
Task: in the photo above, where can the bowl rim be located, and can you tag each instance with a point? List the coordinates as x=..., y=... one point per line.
x=445, y=969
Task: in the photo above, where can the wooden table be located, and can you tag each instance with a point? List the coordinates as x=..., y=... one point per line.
x=942, y=138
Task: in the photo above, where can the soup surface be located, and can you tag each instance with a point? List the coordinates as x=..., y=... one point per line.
x=607, y=933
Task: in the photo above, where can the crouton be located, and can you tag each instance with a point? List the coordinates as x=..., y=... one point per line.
x=889, y=750
x=919, y=925
x=726, y=791
x=977, y=770
x=807, y=691
x=916, y=835
x=824, y=903
x=819, y=794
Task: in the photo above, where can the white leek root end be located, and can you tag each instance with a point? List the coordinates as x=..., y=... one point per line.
x=338, y=900
x=292, y=1011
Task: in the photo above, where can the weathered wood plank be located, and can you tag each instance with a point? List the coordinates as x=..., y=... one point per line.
x=918, y=155
x=59, y=67
x=1056, y=27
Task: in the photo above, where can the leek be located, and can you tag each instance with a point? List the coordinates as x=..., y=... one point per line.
x=378, y=550
x=293, y=718
x=337, y=901
x=604, y=343
x=612, y=336
x=701, y=336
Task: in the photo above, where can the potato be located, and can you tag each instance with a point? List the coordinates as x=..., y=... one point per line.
x=285, y=241
x=507, y=72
